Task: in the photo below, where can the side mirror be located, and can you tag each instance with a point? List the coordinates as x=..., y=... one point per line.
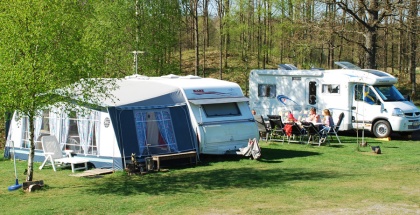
x=383, y=108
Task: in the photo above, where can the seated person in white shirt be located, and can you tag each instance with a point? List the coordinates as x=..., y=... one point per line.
x=313, y=117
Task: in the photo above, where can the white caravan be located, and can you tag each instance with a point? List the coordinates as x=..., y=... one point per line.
x=219, y=112
x=367, y=97
x=149, y=116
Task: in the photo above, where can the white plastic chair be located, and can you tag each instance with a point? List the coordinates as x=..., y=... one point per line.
x=54, y=155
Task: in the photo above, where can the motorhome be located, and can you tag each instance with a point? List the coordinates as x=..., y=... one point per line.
x=148, y=116
x=367, y=97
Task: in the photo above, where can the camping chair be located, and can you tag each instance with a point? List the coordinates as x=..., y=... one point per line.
x=277, y=126
x=334, y=129
x=312, y=131
x=53, y=153
x=262, y=127
x=295, y=130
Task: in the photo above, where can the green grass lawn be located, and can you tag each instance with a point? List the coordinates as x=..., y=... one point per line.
x=288, y=179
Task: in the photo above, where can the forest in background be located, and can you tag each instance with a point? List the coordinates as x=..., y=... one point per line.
x=222, y=39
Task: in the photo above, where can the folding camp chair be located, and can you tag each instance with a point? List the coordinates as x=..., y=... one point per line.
x=262, y=127
x=312, y=131
x=53, y=153
x=293, y=130
x=334, y=129
x=277, y=126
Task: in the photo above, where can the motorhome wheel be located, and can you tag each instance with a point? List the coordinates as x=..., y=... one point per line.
x=381, y=129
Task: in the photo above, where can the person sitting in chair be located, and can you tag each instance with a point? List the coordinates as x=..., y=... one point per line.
x=313, y=117
x=327, y=124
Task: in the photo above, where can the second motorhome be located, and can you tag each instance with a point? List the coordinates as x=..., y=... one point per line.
x=368, y=98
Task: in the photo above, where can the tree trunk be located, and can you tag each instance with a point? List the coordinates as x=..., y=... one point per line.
x=371, y=46
x=206, y=33
x=412, y=37
x=220, y=11
x=30, y=170
x=226, y=33
x=196, y=43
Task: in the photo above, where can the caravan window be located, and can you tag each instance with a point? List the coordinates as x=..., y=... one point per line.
x=267, y=90
x=223, y=109
x=331, y=88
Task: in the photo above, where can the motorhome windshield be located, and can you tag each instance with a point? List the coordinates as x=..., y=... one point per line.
x=389, y=93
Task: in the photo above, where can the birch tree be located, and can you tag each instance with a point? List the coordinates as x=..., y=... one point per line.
x=41, y=50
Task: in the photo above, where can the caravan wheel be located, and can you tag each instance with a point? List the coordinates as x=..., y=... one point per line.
x=382, y=129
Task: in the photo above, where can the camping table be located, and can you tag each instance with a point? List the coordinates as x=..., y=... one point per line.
x=158, y=158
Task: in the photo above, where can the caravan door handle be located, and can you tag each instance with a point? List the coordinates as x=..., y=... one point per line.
x=353, y=108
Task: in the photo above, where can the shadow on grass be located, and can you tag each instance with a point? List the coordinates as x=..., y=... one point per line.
x=336, y=145
x=268, y=155
x=200, y=181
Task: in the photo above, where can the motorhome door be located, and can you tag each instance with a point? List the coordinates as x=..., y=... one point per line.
x=366, y=106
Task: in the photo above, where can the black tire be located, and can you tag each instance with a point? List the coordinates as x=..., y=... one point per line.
x=382, y=129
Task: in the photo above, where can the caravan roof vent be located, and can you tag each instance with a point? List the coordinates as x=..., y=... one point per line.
x=170, y=76
x=287, y=67
x=377, y=72
x=346, y=65
x=136, y=76
x=190, y=77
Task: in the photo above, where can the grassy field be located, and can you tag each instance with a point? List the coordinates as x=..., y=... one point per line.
x=288, y=179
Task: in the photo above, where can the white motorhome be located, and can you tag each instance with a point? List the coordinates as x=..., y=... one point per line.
x=367, y=97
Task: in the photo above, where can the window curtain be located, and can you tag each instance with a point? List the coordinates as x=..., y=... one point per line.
x=64, y=131
x=97, y=121
x=38, y=124
x=163, y=137
x=25, y=131
x=85, y=129
x=141, y=130
x=166, y=129
x=54, y=122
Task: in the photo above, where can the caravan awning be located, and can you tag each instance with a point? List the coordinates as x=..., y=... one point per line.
x=218, y=101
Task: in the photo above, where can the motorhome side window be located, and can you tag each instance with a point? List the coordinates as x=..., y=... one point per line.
x=267, y=90
x=312, y=92
x=365, y=94
x=223, y=109
x=358, y=92
x=331, y=88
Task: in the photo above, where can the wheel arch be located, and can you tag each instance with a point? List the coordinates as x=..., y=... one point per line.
x=376, y=120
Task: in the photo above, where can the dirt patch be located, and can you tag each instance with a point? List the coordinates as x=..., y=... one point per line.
x=374, y=208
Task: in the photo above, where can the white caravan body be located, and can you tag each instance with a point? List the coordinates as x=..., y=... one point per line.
x=219, y=112
x=367, y=97
x=148, y=116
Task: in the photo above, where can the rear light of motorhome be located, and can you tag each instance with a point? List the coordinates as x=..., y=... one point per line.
x=397, y=112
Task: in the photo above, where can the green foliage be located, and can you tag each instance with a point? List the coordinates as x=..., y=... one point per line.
x=42, y=50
